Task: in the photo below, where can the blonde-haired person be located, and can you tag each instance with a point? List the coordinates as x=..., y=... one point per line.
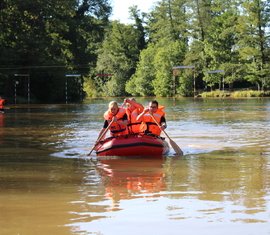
x=117, y=115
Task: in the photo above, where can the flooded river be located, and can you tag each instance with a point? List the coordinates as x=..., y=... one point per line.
x=221, y=185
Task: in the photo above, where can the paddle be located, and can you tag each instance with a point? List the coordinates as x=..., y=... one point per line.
x=97, y=141
x=176, y=148
x=103, y=134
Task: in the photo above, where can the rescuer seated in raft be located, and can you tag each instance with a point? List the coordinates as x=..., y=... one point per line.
x=149, y=125
x=118, y=117
x=133, y=109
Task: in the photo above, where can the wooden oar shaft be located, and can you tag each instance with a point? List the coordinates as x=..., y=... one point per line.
x=101, y=136
x=176, y=148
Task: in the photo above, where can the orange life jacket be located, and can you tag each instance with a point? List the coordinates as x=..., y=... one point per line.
x=134, y=125
x=2, y=101
x=116, y=128
x=149, y=125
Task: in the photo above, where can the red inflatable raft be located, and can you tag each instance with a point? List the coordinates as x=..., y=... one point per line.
x=133, y=145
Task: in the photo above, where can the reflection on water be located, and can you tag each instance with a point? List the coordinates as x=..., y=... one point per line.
x=177, y=193
x=220, y=186
x=124, y=179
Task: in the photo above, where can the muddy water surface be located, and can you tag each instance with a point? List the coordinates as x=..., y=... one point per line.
x=221, y=185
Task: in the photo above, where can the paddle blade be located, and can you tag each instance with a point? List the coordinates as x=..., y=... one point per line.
x=176, y=148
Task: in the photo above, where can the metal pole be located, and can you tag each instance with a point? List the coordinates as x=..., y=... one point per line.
x=174, y=86
x=71, y=75
x=81, y=89
x=194, y=83
x=28, y=89
x=66, y=92
x=15, y=92
x=28, y=86
x=223, y=82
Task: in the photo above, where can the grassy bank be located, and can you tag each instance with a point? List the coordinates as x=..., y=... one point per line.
x=234, y=94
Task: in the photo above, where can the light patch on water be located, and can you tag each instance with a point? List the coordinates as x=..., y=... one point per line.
x=166, y=215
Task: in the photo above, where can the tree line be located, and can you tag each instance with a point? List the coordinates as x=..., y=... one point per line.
x=179, y=48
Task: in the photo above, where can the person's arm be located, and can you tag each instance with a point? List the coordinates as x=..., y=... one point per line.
x=125, y=119
x=122, y=121
x=105, y=125
x=140, y=116
x=163, y=123
x=135, y=104
x=138, y=106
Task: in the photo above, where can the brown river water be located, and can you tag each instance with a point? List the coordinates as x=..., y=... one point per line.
x=220, y=186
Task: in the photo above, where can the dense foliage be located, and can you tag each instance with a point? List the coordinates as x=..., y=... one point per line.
x=46, y=39
x=180, y=48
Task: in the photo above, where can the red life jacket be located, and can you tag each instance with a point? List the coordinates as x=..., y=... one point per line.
x=116, y=128
x=151, y=126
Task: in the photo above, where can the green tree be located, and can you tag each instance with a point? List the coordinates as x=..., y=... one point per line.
x=253, y=43
x=86, y=32
x=165, y=58
x=118, y=56
x=168, y=42
x=139, y=17
x=213, y=36
x=37, y=37
x=141, y=82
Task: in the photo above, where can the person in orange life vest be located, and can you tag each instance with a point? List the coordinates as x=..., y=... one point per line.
x=2, y=102
x=146, y=118
x=118, y=116
x=133, y=109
